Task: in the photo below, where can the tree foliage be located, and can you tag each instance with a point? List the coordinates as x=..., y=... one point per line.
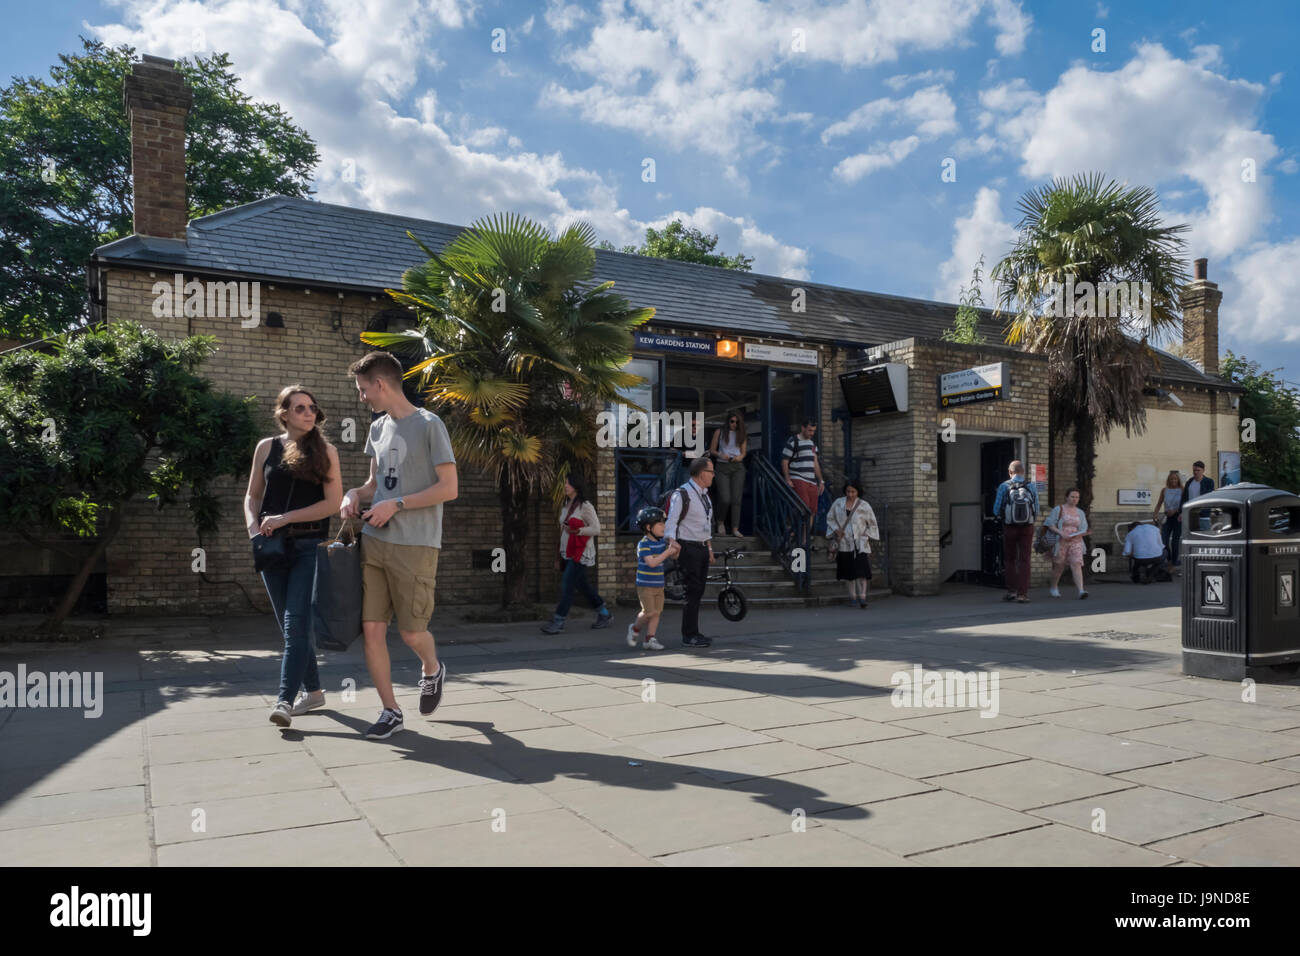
x=517, y=350
x=1273, y=458
x=65, y=147
x=677, y=241
x=965, y=324
x=107, y=415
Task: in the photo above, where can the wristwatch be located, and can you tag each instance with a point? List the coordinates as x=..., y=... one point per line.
x=401, y=504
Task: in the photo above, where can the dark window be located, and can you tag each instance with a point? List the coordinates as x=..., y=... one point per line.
x=1215, y=521
x=1284, y=520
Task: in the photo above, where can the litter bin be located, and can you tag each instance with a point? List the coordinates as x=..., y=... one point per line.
x=1241, y=568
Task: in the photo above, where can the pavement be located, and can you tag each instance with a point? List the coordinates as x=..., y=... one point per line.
x=780, y=745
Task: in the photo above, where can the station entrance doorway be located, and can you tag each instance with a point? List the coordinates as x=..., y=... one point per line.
x=970, y=470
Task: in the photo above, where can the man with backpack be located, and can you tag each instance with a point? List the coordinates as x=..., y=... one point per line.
x=690, y=525
x=1017, y=505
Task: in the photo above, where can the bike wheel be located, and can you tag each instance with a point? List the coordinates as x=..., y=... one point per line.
x=732, y=603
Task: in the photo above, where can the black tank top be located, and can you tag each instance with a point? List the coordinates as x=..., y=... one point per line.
x=285, y=493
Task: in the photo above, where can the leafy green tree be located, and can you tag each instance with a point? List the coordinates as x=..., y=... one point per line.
x=517, y=352
x=1086, y=229
x=965, y=325
x=65, y=147
x=1273, y=458
x=676, y=241
x=105, y=416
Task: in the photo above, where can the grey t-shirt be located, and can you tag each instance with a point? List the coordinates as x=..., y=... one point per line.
x=407, y=453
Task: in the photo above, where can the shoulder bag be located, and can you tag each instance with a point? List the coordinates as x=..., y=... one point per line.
x=272, y=553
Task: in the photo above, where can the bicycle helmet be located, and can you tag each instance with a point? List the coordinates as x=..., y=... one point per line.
x=649, y=516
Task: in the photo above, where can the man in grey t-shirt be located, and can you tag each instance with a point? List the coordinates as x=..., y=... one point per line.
x=412, y=472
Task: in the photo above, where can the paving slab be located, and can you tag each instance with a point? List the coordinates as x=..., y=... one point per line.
x=1214, y=778
x=554, y=700
x=1100, y=753
x=113, y=841
x=882, y=709
x=927, y=821
x=199, y=781
x=259, y=814
x=1028, y=784
x=1046, y=846
x=1103, y=719
x=1282, y=803
x=1236, y=713
x=1271, y=695
x=840, y=732
x=555, y=837
x=959, y=723
x=24, y=812
x=76, y=776
x=639, y=717
x=394, y=778
x=925, y=755
x=1220, y=740
x=1260, y=841
x=501, y=716
x=1144, y=815
x=1128, y=696
x=423, y=811
x=693, y=740
x=517, y=679
x=760, y=713
x=264, y=738
x=818, y=846
x=845, y=784
x=321, y=848
x=757, y=760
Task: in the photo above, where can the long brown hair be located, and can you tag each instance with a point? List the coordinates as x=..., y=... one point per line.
x=305, y=458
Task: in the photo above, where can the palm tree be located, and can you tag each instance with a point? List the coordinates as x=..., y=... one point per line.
x=517, y=351
x=1079, y=230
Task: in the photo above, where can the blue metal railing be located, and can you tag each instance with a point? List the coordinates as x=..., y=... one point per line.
x=780, y=517
x=645, y=476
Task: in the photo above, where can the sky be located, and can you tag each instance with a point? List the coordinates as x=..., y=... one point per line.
x=876, y=145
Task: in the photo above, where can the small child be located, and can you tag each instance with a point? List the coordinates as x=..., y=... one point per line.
x=651, y=552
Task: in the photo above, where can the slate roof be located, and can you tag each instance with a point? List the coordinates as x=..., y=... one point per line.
x=341, y=247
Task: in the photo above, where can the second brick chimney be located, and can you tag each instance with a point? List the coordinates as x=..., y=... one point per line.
x=157, y=102
x=1200, y=302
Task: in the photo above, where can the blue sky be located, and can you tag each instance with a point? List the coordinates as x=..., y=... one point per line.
x=810, y=136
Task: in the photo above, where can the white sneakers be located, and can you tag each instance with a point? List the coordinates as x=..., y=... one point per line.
x=280, y=715
x=306, y=702
x=653, y=645
x=632, y=639
x=1055, y=592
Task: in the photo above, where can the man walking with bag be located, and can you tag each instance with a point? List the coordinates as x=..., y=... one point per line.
x=1017, y=505
x=412, y=472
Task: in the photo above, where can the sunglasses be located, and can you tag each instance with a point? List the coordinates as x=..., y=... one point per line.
x=299, y=409
x=733, y=421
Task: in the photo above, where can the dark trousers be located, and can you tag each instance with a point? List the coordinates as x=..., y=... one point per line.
x=289, y=589
x=1143, y=568
x=575, y=579
x=694, y=564
x=1172, y=535
x=1017, y=546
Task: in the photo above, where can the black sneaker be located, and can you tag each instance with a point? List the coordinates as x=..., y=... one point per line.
x=431, y=690
x=389, y=722
x=697, y=640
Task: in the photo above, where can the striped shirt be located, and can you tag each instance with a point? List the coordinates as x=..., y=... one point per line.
x=800, y=453
x=646, y=576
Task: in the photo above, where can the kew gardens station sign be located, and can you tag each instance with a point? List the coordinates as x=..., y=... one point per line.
x=980, y=384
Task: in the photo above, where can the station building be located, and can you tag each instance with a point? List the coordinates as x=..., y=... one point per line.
x=872, y=369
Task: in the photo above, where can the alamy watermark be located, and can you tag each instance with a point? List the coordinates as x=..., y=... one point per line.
x=209, y=300
x=78, y=689
x=1097, y=300
x=919, y=688
x=624, y=428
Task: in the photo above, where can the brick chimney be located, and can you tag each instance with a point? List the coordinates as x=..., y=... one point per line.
x=157, y=102
x=1200, y=302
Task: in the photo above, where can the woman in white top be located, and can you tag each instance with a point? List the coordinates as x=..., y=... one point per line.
x=851, y=527
x=728, y=449
x=1170, y=502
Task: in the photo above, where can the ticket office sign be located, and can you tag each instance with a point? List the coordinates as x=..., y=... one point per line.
x=980, y=384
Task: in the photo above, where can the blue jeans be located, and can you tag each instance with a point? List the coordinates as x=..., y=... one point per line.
x=1172, y=534
x=575, y=577
x=289, y=589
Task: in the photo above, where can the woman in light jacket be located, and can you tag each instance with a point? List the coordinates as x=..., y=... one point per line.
x=851, y=527
x=1070, y=524
x=579, y=526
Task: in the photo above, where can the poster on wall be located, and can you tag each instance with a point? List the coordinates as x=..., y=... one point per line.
x=1038, y=478
x=1229, y=468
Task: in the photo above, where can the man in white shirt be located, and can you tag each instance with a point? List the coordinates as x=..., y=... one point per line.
x=690, y=524
x=1143, y=544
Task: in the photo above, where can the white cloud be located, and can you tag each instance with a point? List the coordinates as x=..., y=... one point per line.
x=852, y=168
x=1289, y=166
x=563, y=17
x=1158, y=120
x=739, y=234
x=901, y=80
x=704, y=75
x=1260, y=293
x=930, y=112
x=983, y=232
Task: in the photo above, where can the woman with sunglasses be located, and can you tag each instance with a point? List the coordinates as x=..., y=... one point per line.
x=728, y=450
x=294, y=487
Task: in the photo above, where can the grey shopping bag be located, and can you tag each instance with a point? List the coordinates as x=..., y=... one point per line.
x=336, y=595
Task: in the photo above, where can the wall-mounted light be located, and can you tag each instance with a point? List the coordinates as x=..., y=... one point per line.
x=728, y=348
x=274, y=320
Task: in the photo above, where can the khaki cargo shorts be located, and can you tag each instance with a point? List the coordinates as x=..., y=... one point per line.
x=397, y=577
x=652, y=600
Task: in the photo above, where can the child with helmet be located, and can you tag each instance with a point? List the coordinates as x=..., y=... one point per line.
x=651, y=553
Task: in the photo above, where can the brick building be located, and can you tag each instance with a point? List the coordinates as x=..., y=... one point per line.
x=721, y=341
